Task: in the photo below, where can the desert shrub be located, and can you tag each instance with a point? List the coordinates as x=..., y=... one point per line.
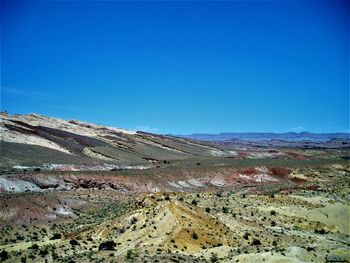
x=133, y=220
x=131, y=254
x=108, y=245
x=19, y=237
x=256, y=242
x=56, y=236
x=214, y=257
x=310, y=249
x=246, y=236
x=273, y=212
x=43, y=252
x=224, y=209
x=54, y=256
x=73, y=242
x=194, y=235
x=207, y=209
x=320, y=231
x=194, y=202
x=34, y=246
x=4, y=255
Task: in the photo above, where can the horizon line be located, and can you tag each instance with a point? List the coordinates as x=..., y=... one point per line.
x=182, y=134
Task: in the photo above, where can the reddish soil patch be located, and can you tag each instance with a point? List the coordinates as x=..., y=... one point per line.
x=298, y=157
x=298, y=180
x=279, y=171
x=248, y=171
x=312, y=187
x=242, y=155
x=28, y=209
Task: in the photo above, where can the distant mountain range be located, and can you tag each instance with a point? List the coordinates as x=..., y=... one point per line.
x=262, y=136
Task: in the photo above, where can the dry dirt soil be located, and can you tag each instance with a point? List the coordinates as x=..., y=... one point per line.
x=222, y=214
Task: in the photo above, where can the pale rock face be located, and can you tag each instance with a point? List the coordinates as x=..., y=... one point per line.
x=195, y=182
x=17, y=137
x=77, y=127
x=245, y=177
x=83, y=128
x=217, y=182
x=262, y=178
x=63, y=211
x=184, y=184
x=82, y=167
x=258, y=155
x=173, y=184
x=219, y=153
x=17, y=186
x=262, y=169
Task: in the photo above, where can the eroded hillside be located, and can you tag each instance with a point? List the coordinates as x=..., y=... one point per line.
x=79, y=192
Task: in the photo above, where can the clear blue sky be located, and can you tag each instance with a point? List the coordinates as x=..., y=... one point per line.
x=180, y=67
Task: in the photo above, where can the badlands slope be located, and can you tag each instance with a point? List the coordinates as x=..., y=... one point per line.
x=36, y=140
x=79, y=192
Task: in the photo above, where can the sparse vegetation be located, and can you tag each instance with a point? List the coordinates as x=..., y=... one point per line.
x=182, y=210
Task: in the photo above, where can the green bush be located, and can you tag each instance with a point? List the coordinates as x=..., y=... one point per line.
x=56, y=236
x=214, y=258
x=256, y=242
x=108, y=245
x=73, y=242
x=34, y=246
x=4, y=255
x=194, y=235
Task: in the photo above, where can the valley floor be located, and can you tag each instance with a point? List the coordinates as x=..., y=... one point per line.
x=205, y=213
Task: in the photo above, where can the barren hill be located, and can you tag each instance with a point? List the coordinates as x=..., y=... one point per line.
x=33, y=139
x=73, y=191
